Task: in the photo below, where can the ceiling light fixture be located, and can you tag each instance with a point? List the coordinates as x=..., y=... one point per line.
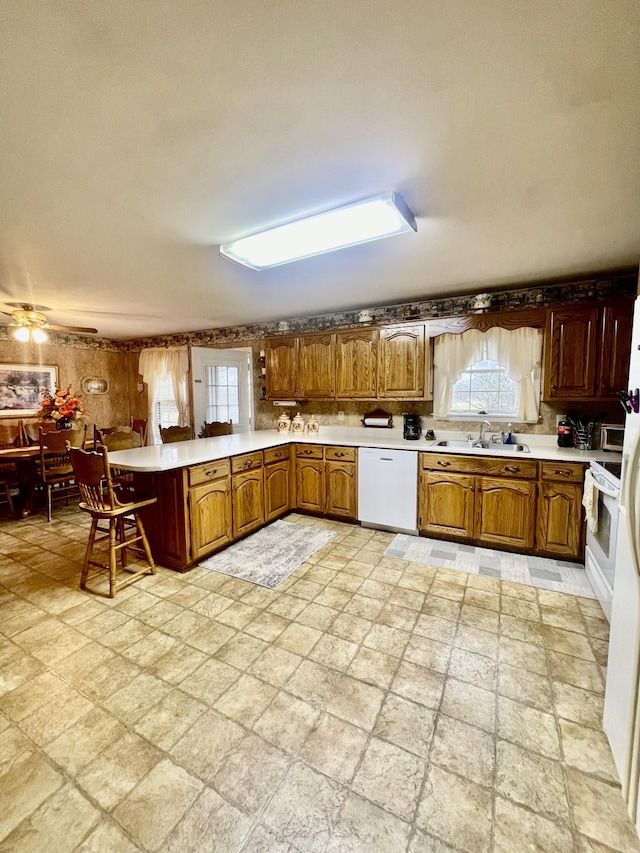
x=359, y=222
x=29, y=325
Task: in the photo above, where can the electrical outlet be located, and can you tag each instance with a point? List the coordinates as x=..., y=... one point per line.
x=340, y=417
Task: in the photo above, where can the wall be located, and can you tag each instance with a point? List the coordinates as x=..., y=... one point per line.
x=76, y=361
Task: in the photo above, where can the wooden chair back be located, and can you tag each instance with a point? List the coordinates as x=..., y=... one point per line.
x=10, y=435
x=54, y=458
x=175, y=433
x=92, y=475
x=31, y=431
x=139, y=425
x=215, y=428
x=118, y=439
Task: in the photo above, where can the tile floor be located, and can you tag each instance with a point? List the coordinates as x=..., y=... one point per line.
x=368, y=704
x=543, y=572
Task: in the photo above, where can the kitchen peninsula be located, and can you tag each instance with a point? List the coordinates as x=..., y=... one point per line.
x=213, y=491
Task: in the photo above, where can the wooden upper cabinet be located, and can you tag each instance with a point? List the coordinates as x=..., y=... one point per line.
x=616, y=348
x=282, y=368
x=571, y=351
x=357, y=365
x=317, y=366
x=401, y=362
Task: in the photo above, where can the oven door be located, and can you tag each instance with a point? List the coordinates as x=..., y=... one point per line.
x=602, y=543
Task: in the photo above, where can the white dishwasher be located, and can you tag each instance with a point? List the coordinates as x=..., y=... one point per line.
x=388, y=489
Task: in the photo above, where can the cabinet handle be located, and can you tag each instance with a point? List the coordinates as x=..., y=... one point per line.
x=443, y=464
x=513, y=469
x=562, y=473
x=339, y=455
x=308, y=451
x=210, y=472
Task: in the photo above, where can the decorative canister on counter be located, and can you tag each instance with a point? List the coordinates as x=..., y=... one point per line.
x=284, y=423
x=312, y=425
x=297, y=424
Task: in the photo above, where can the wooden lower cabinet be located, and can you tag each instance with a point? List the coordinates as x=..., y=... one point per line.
x=519, y=505
x=248, y=501
x=505, y=512
x=446, y=504
x=559, y=530
x=310, y=484
x=277, y=490
x=327, y=480
x=340, y=489
x=210, y=517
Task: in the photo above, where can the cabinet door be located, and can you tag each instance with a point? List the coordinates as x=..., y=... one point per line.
x=248, y=506
x=357, y=365
x=505, y=512
x=210, y=516
x=317, y=374
x=282, y=368
x=571, y=344
x=616, y=348
x=277, y=490
x=341, y=489
x=401, y=362
x=310, y=484
x=445, y=504
x=560, y=526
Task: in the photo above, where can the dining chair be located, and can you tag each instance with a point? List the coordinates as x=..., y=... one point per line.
x=99, y=499
x=139, y=425
x=175, y=433
x=119, y=439
x=31, y=431
x=210, y=430
x=56, y=473
x=10, y=436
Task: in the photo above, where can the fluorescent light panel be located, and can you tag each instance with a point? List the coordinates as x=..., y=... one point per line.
x=359, y=222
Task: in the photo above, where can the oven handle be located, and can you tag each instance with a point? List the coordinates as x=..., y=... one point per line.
x=611, y=493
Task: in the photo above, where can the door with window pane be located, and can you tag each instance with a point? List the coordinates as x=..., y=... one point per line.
x=221, y=390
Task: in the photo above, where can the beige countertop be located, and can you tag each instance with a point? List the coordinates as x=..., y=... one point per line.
x=167, y=457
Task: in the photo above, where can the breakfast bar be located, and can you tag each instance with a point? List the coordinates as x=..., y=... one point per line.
x=211, y=492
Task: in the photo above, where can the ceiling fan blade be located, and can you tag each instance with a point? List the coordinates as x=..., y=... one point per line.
x=80, y=329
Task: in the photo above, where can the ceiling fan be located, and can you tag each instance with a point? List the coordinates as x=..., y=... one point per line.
x=29, y=323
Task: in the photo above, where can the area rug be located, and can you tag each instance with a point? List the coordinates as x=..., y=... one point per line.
x=543, y=572
x=270, y=555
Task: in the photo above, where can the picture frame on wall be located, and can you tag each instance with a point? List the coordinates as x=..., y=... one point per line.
x=95, y=385
x=22, y=387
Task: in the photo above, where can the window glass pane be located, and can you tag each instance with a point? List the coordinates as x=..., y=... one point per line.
x=234, y=414
x=484, y=387
x=222, y=376
x=232, y=376
x=232, y=392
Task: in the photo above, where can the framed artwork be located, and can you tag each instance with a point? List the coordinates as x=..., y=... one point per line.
x=22, y=386
x=92, y=385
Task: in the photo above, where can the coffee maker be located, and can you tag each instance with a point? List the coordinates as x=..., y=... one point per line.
x=411, y=426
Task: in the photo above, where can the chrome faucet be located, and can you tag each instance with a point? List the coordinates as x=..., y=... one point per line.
x=482, y=426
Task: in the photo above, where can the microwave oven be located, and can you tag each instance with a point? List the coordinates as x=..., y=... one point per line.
x=612, y=437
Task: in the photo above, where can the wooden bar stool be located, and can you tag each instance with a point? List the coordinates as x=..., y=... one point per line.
x=92, y=474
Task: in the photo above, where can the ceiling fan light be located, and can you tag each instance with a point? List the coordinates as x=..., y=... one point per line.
x=39, y=336
x=349, y=225
x=21, y=333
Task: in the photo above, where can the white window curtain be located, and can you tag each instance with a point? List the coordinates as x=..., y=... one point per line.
x=156, y=362
x=519, y=350
x=451, y=355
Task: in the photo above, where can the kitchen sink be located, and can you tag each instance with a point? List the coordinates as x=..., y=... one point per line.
x=490, y=446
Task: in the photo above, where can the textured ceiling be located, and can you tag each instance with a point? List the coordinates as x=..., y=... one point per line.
x=137, y=136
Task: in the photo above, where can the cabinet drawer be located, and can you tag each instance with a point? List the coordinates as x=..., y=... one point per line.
x=562, y=472
x=209, y=471
x=310, y=451
x=276, y=454
x=340, y=454
x=496, y=467
x=246, y=462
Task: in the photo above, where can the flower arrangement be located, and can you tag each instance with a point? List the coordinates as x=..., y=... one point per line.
x=61, y=406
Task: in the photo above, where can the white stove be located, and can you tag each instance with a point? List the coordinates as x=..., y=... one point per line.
x=600, y=551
